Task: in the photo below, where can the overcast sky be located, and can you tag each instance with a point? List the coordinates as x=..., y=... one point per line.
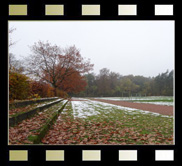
x=127, y=47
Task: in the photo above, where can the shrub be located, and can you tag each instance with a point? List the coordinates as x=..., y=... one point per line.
x=41, y=89
x=18, y=86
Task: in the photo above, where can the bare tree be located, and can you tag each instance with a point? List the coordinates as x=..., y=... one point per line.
x=53, y=64
x=14, y=64
x=11, y=43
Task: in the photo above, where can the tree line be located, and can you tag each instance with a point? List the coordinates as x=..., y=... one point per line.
x=108, y=83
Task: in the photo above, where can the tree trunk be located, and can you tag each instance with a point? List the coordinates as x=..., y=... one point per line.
x=55, y=90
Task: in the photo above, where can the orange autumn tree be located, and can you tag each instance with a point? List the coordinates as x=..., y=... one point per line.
x=58, y=66
x=74, y=83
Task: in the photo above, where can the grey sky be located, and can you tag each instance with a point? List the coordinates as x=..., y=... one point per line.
x=127, y=47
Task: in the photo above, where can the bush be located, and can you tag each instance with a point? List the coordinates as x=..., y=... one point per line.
x=18, y=86
x=41, y=89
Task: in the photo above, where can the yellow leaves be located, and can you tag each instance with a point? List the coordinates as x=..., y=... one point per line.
x=17, y=85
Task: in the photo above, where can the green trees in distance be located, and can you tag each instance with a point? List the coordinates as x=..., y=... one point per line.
x=108, y=84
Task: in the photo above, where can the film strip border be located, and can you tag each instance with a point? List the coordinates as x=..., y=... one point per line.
x=60, y=10
x=90, y=10
x=90, y=155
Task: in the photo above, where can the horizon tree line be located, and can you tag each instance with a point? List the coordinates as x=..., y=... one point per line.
x=112, y=84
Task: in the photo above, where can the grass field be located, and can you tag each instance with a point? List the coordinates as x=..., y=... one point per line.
x=92, y=122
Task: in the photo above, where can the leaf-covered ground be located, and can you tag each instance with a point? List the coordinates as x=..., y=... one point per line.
x=21, y=133
x=90, y=122
x=14, y=111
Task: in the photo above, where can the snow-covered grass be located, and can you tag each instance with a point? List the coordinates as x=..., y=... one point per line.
x=93, y=122
x=158, y=100
x=99, y=121
x=137, y=98
x=88, y=108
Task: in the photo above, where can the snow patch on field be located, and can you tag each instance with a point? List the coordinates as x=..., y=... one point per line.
x=137, y=98
x=143, y=99
x=82, y=109
x=89, y=107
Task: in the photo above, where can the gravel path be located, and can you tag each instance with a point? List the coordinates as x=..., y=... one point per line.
x=161, y=109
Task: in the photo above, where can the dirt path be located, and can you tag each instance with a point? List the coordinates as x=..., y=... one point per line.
x=161, y=109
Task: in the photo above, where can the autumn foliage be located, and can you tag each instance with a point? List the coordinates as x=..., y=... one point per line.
x=42, y=89
x=62, y=68
x=22, y=87
x=57, y=72
x=74, y=83
x=18, y=86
